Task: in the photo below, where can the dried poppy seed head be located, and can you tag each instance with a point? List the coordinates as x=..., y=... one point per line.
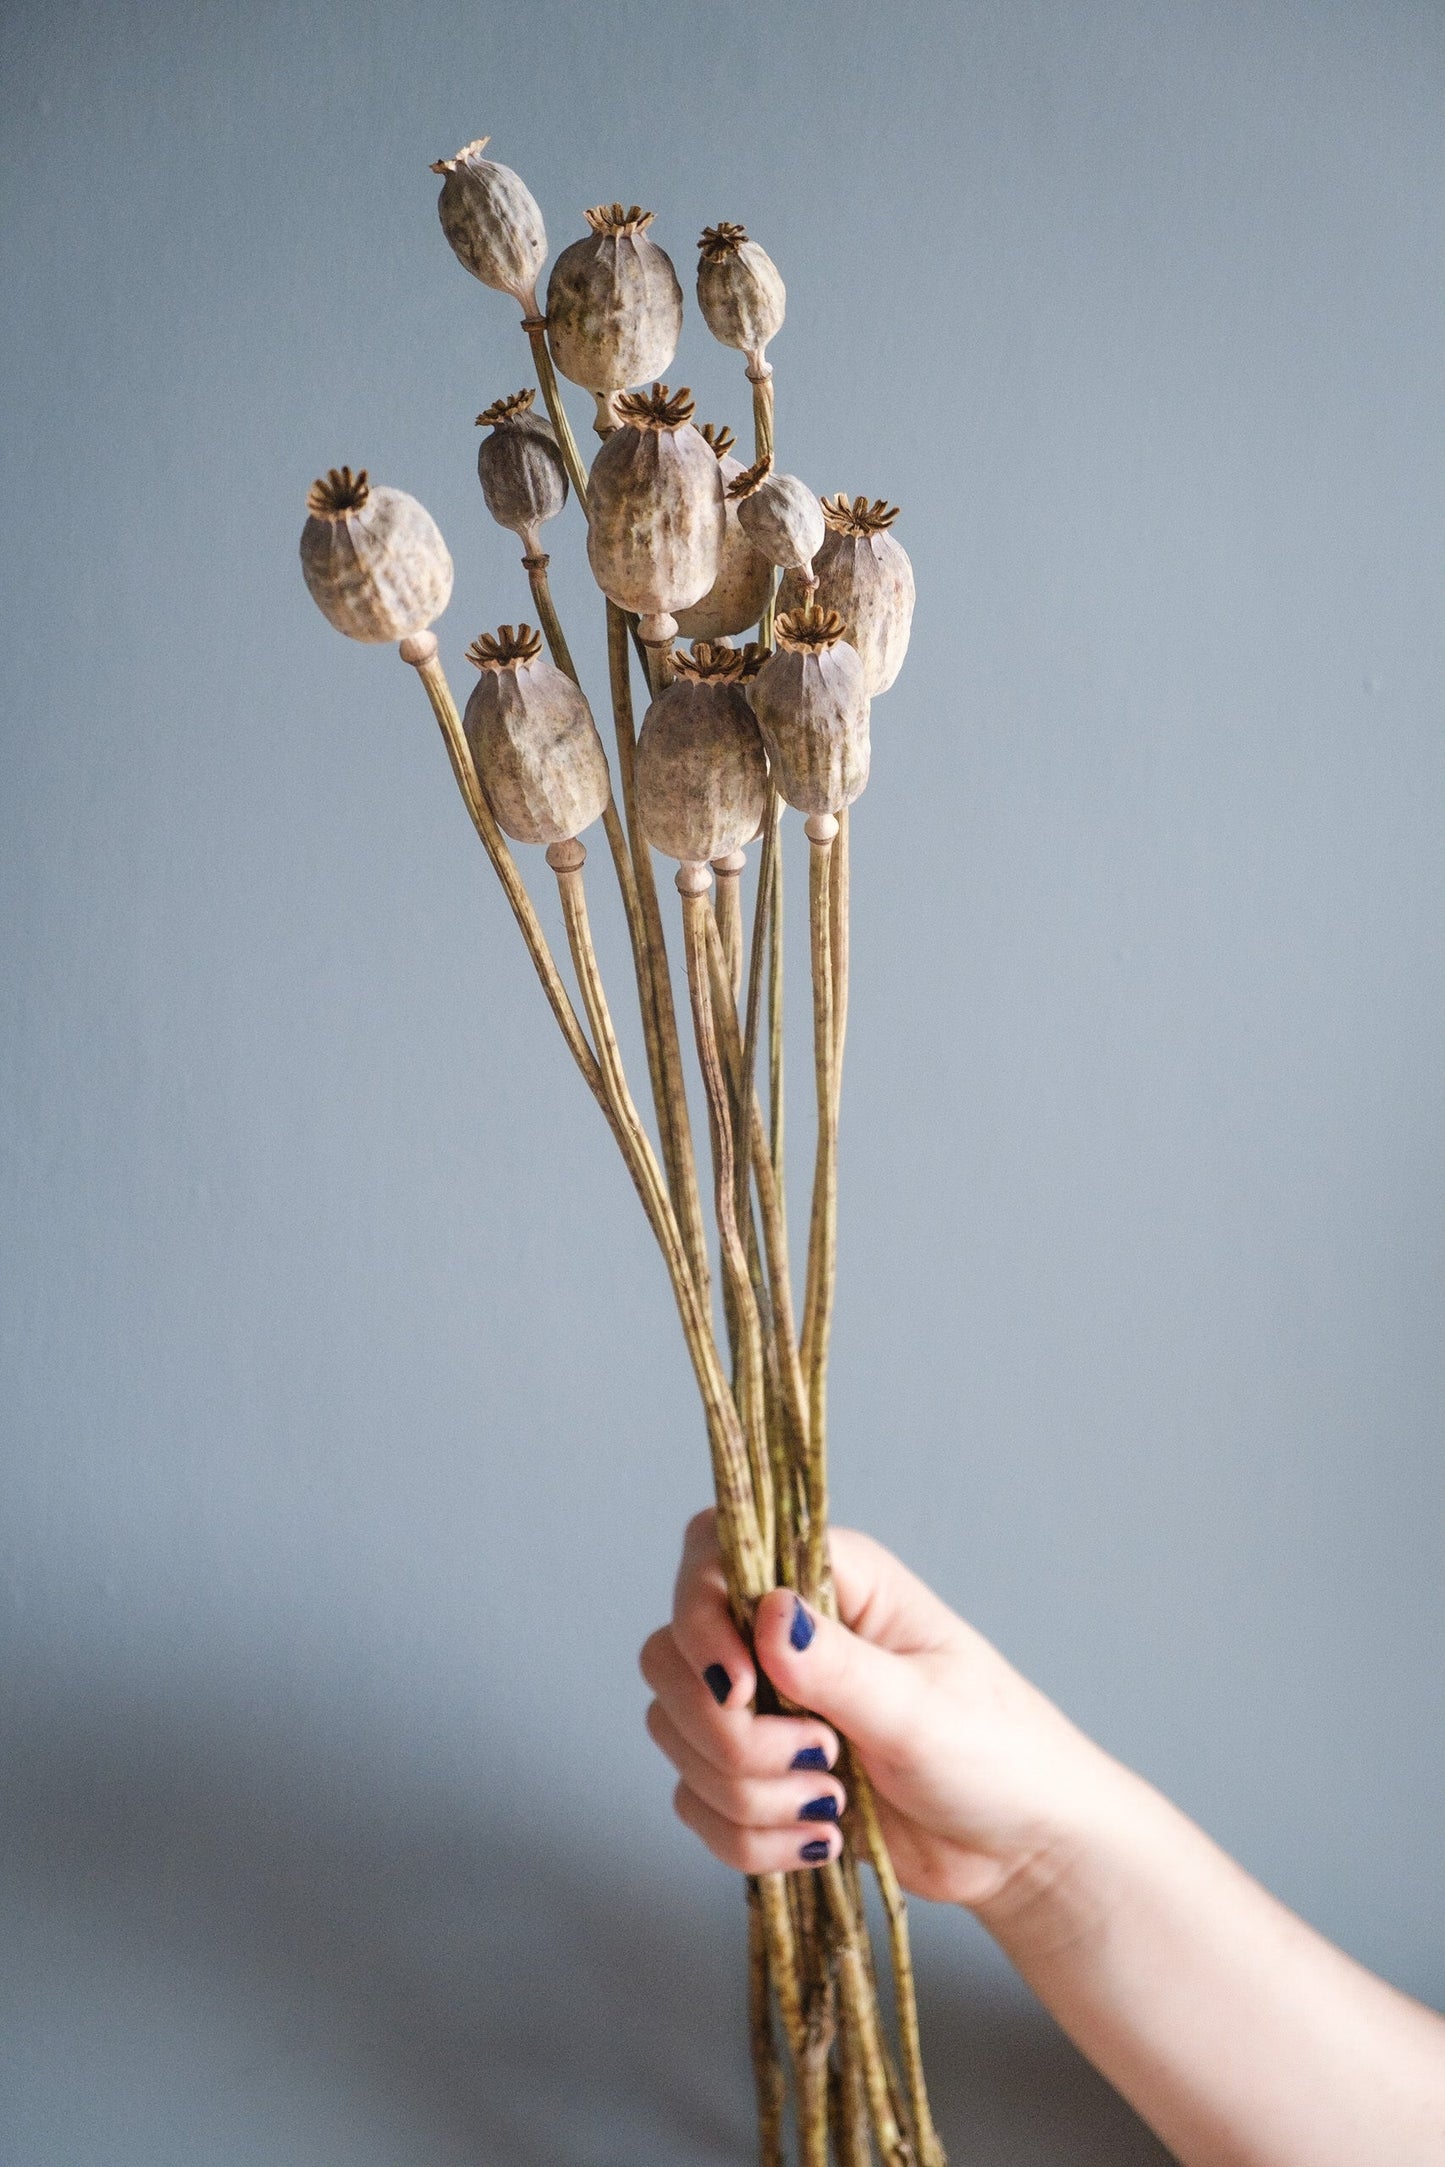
x=341, y=492
x=702, y=774
x=614, y=306
x=709, y=660
x=810, y=630
x=501, y=411
x=520, y=468
x=719, y=435
x=863, y=572
x=739, y=593
x=859, y=517
x=740, y=292
x=657, y=409
x=538, y=755
x=721, y=240
x=492, y=221
x=612, y=218
x=508, y=648
x=781, y=518
x=373, y=559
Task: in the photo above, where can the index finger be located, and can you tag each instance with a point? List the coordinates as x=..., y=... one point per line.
x=702, y=1621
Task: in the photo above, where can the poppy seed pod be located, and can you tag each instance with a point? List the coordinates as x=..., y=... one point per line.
x=655, y=511
x=864, y=574
x=780, y=516
x=739, y=594
x=702, y=774
x=739, y=291
x=812, y=708
x=520, y=468
x=614, y=306
x=373, y=558
x=490, y=216
x=532, y=736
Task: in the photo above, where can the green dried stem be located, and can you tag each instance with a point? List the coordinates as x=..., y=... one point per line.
x=769, y=2082
x=859, y=2009
x=746, y=1560
x=905, y=1999
x=671, y=1096
x=535, y=326
x=551, y=623
x=822, y=1235
x=698, y=922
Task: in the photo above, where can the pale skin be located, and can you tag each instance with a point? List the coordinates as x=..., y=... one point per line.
x=1241, y=2036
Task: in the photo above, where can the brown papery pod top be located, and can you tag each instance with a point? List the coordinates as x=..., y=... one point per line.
x=809, y=631
x=742, y=485
x=719, y=435
x=710, y=659
x=658, y=408
x=502, y=411
x=508, y=648
x=859, y=517
x=614, y=306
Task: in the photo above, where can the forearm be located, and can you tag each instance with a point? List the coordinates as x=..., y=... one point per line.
x=1240, y=2035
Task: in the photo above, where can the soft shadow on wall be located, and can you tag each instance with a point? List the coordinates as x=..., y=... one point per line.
x=241, y=1929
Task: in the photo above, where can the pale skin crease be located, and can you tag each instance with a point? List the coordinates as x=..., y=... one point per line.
x=1241, y=2036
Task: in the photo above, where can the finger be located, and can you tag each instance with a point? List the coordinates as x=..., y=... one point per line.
x=870, y=1693
x=756, y=1850
x=748, y=1801
x=882, y=1601
x=732, y=1738
x=702, y=1621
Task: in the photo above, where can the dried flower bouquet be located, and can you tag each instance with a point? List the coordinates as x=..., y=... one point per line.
x=685, y=542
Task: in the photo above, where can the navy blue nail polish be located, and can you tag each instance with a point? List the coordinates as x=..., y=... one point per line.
x=802, y=1629
x=819, y=1809
x=810, y=1757
x=717, y=1681
x=816, y=1850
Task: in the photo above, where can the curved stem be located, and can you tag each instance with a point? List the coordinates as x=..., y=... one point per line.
x=535, y=326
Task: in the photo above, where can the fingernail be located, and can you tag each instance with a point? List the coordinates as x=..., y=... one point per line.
x=819, y=1809
x=816, y=1851
x=810, y=1757
x=717, y=1681
x=802, y=1629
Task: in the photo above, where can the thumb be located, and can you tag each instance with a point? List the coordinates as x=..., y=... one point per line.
x=820, y=1665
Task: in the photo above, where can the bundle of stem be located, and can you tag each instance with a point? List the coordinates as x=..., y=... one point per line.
x=810, y=1964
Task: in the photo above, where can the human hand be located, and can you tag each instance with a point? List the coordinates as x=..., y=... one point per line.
x=982, y=1784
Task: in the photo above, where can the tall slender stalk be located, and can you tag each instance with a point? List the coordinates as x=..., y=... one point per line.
x=534, y=323
x=818, y=1300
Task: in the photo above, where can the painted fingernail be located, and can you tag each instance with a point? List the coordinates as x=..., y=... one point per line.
x=819, y=1809
x=802, y=1629
x=717, y=1681
x=810, y=1757
x=816, y=1851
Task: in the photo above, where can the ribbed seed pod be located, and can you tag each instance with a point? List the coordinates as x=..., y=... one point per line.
x=702, y=774
x=655, y=511
x=780, y=516
x=614, y=306
x=532, y=736
x=739, y=290
x=373, y=558
x=864, y=574
x=812, y=708
x=490, y=216
x=520, y=468
x=739, y=594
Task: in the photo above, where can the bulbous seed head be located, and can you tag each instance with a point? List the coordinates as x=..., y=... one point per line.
x=739, y=594
x=656, y=514
x=780, y=516
x=520, y=468
x=863, y=572
x=811, y=704
x=373, y=558
x=614, y=306
x=739, y=290
x=702, y=774
x=491, y=218
x=538, y=755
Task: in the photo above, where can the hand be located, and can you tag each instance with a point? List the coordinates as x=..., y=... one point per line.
x=980, y=1781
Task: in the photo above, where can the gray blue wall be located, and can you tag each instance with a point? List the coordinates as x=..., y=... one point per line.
x=347, y=1435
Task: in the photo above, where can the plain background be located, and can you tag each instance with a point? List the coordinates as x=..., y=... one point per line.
x=347, y=1433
